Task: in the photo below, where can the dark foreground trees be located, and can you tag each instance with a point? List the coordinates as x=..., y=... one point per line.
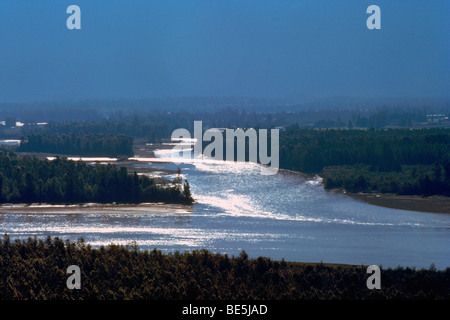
x=36, y=269
x=28, y=179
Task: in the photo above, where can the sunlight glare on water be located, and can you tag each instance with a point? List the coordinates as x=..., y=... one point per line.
x=287, y=215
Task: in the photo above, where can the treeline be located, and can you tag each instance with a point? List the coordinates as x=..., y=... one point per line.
x=36, y=269
x=410, y=180
x=393, y=160
x=136, y=127
x=157, y=124
x=378, y=118
x=242, y=112
x=30, y=180
x=79, y=144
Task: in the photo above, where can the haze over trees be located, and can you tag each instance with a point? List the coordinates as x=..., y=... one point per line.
x=156, y=119
x=97, y=145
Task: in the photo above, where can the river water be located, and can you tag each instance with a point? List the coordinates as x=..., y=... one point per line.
x=281, y=216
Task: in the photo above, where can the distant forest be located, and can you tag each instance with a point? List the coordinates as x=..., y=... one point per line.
x=155, y=120
x=135, y=127
x=30, y=180
x=231, y=111
x=399, y=161
x=97, y=145
x=35, y=269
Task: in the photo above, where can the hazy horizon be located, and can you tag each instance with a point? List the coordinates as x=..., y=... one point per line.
x=256, y=49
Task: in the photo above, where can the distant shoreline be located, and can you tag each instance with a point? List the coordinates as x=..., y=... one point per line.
x=43, y=208
x=431, y=204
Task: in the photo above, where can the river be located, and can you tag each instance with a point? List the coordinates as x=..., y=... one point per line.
x=284, y=216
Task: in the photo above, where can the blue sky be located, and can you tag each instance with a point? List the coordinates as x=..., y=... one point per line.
x=251, y=48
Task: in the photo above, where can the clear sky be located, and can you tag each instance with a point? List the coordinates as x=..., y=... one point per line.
x=252, y=48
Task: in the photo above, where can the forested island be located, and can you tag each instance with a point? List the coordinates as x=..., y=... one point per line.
x=27, y=179
x=35, y=269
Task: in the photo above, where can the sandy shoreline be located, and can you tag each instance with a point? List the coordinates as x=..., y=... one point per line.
x=40, y=208
x=432, y=204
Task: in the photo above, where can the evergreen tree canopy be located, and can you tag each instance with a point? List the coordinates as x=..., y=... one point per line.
x=28, y=179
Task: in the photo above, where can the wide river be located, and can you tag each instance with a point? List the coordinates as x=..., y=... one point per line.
x=281, y=216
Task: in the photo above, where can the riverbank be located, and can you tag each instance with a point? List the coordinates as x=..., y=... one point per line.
x=40, y=208
x=433, y=204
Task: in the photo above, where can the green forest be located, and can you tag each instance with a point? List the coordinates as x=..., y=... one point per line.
x=402, y=161
x=26, y=179
x=36, y=269
x=89, y=144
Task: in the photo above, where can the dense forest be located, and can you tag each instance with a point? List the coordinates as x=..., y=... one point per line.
x=136, y=127
x=30, y=180
x=423, y=180
x=98, y=145
x=36, y=269
x=389, y=160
